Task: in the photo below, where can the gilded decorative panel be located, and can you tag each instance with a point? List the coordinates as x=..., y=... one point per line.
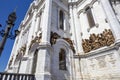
x=96, y=41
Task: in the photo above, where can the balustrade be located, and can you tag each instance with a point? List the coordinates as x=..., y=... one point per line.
x=15, y=76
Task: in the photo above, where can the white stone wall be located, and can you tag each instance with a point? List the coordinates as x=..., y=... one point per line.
x=56, y=7
x=43, y=17
x=98, y=15
x=104, y=65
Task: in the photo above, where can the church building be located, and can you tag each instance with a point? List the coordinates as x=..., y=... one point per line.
x=68, y=40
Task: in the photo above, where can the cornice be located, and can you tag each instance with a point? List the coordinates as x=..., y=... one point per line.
x=38, y=5
x=89, y=4
x=75, y=3
x=98, y=51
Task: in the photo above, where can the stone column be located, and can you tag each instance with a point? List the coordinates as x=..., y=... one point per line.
x=30, y=64
x=23, y=66
x=77, y=31
x=114, y=24
x=43, y=64
x=46, y=22
x=72, y=23
x=43, y=60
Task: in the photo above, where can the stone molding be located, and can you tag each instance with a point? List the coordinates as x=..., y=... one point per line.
x=90, y=5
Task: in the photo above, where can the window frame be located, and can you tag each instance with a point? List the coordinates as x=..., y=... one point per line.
x=62, y=59
x=61, y=24
x=90, y=17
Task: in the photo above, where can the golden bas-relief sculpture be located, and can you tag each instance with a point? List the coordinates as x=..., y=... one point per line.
x=96, y=41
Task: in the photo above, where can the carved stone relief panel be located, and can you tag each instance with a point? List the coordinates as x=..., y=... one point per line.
x=101, y=61
x=97, y=63
x=112, y=60
x=92, y=64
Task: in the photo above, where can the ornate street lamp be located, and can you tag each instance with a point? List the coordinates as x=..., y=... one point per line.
x=5, y=34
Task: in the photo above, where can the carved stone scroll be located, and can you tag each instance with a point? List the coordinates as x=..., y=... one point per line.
x=96, y=41
x=36, y=39
x=71, y=44
x=23, y=49
x=53, y=38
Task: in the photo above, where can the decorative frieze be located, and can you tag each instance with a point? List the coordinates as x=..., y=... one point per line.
x=96, y=41
x=37, y=39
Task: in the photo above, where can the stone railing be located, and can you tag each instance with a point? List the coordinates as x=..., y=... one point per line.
x=15, y=76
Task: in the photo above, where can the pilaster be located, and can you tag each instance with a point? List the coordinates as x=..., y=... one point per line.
x=77, y=30
x=31, y=31
x=72, y=23
x=114, y=24
x=37, y=26
x=23, y=66
x=43, y=63
x=46, y=21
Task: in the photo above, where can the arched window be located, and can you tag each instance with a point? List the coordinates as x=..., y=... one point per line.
x=61, y=20
x=34, y=62
x=90, y=17
x=62, y=60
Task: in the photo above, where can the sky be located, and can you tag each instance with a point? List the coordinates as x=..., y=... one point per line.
x=6, y=7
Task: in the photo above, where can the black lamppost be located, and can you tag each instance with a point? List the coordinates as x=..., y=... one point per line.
x=10, y=23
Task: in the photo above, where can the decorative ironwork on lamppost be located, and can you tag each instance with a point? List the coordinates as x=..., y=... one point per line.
x=5, y=33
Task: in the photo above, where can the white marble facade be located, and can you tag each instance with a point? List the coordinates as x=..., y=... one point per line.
x=54, y=27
